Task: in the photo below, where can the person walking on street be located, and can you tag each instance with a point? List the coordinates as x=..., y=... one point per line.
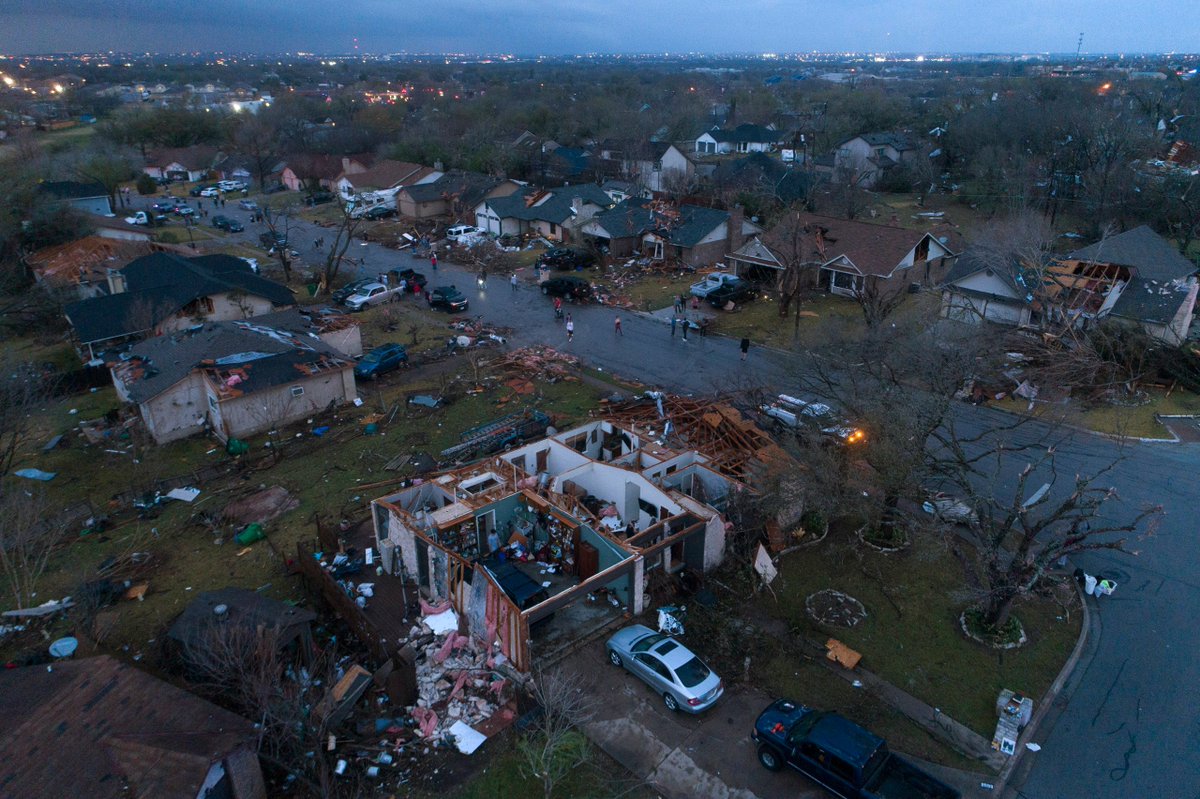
x=685, y=329
x=703, y=327
x=570, y=329
x=678, y=305
x=745, y=347
x=674, y=320
x=617, y=326
x=512, y=281
x=558, y=312
x=433, y=261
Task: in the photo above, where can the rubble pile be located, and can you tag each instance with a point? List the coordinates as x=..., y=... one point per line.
x=540, y=362
x=458, y=683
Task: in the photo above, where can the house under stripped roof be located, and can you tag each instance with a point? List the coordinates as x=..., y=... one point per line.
x=235, y=378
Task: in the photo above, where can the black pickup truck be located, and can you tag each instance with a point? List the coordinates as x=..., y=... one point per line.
x=840, y=755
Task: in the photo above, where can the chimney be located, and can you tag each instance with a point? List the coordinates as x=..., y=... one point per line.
x=116, y=281
x=438, y=166
x=736, y=217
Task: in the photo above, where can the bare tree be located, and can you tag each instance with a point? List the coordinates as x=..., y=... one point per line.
x=878, y=299
x=557, y=745
x=489, y=258
x=792, y=243
x=29, y=535
x=343, y=235
x=279, y=223
x=1022, y=534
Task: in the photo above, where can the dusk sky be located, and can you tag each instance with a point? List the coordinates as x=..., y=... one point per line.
x=617, y=26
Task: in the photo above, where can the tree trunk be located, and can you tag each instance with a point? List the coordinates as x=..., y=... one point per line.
x=998, y=608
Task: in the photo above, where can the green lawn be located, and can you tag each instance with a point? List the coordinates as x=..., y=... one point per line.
x=1136, y=422
x=324, y=474
x=910, y=636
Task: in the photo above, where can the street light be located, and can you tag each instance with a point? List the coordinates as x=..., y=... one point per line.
x=187, y=223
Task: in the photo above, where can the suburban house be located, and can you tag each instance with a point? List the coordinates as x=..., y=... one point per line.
x=621, y=190
x=1135, y=276
x=599, y=511
x=100, y=728
x=315, y=171
x=90, y=198
x=761, y=175
x=81, y=266
x=745, y=138
x=382, y=176
x=653, y=165
x=566, y=165
x=455, y=193
x=165, y=292
x=661, y=230
x=233, y=378
x=246, y=168
x=869, y=155
x=182, y=163
x=557, y=214
x=846, y=255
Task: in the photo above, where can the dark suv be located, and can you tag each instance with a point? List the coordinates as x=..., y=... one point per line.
x=411, y=277
x=566, y=258
x=273, y=238
x=568, y=286
x=319, y=198
x=448, y=298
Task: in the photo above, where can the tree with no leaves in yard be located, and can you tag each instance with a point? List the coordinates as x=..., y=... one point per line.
x=557, y=745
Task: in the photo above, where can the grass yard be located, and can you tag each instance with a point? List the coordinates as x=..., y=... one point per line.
x=324, y=474
x=1136, y=422
x=910, y=636
x=759, y=321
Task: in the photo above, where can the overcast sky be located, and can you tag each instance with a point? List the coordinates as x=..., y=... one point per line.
x=578, y=26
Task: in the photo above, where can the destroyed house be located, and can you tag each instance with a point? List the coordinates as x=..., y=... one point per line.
x=233, y=378
x=165, y=292
x=662, y=230
x=581, y=523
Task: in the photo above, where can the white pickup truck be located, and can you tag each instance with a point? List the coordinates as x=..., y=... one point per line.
x=372, y=294
x=712, y=282
x=141, y=218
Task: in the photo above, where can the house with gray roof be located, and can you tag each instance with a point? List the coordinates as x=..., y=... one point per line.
x=556, y=214
x=455, y=193
x=235, y=378
x=91, y=198
x=869, y=155
x=165, y=292
x=745, y=138
x=1136, y=276
x=690, y=234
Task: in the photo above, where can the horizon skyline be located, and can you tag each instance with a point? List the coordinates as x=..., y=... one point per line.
x=533, y=28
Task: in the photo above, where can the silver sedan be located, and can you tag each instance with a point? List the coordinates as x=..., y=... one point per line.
x=667, y=666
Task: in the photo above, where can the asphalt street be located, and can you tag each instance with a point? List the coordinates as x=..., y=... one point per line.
x=1130, y=726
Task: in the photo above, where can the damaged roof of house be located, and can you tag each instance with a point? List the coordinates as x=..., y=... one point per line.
x=99, y=728
x=1150, y=254
x=683, y=226
x=261, y=357
x=163, y=284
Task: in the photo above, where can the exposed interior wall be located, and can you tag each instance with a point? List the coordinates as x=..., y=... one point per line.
x=610, y=555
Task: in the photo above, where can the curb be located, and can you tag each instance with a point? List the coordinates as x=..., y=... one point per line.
x=1174, y=439
x=1047, y=700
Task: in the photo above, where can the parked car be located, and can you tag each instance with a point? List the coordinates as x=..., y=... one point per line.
x=667, y=666
x=142, y=218
x=184, y=210
x=211, y=191
x=411, y=277
x=248, y=205
x=164, y=207
x=371, y=294
x=448, y=298
x=272, y=238
x=568, y=287
x=733, y=291
x=319, y=198
x=231, y=185
x=339, y=296
x=801, y=413
x=225, y=223
x=275, y=188
x=712, y=282
x=566, y=258
x=381, y=360
x=845, y=758
x=199, y=189
x=379, y=212
x=459, y=233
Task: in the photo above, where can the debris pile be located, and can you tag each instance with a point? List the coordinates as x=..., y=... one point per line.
x=459, y=683
x=540, y=362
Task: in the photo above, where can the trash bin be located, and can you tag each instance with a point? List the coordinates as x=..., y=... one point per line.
x=237, y=447
x=252, y=533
